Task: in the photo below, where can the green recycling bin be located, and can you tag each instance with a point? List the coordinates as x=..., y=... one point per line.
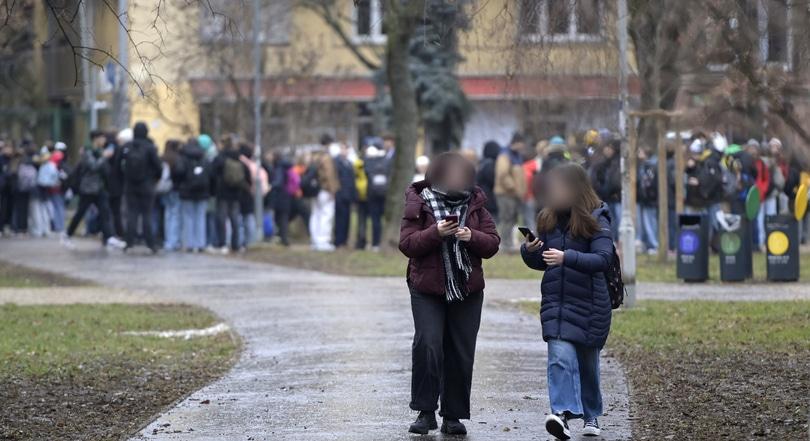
x=782, y=233
x=693, y=247
x=735, y=247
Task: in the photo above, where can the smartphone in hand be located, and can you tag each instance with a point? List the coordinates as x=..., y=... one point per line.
x=527, y=233
x=452, y=218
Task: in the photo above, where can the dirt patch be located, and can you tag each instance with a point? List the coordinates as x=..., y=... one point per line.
x=710, y=396
x=104, y=402
x=16, y=276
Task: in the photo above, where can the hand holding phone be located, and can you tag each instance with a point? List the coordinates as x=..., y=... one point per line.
x=527, y=233
x=452, y=218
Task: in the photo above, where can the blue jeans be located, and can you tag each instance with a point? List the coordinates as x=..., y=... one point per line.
x=194, y=231
x=573, y=379
x=647, y=231
x=171, y=220
x=57, y=212
x=616, y=213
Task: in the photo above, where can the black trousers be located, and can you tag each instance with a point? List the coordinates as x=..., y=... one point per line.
x=228, y=210
x=376, y=209
x=343, y=216
x=117, y=215
x=362, y=225
x=102, y=205
x=443, y=353
x=140, y=207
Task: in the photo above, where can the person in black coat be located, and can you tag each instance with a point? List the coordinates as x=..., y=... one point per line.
x=194, y=185
x=606, y=178
x=231, y=179
x=345, y=197
x=486, y=176
x=574, y=248
x=141, y=168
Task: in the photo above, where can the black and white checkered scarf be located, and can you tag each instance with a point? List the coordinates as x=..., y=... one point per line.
x=455, y=257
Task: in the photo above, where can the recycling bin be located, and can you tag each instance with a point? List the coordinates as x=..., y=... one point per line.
x=735, y=248
x=782, y=242
x=693, y=247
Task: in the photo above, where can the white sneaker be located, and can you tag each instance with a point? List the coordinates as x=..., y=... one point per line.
x=591, y=428
x=557, y=426
x=66, y=242
x=114, y=242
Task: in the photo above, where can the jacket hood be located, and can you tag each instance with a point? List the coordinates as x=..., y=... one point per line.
x=193, y=151
x=140, y=131
x=491, y=150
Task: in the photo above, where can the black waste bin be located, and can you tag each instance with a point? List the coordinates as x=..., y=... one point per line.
x=782, y=240
x=735, y=249
x=693, y=247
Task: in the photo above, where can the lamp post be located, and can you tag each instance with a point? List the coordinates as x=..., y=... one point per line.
x=257, y=123
x=627, y=231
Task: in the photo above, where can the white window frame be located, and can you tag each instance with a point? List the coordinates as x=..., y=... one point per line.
x=375, y=35
x=572, y=36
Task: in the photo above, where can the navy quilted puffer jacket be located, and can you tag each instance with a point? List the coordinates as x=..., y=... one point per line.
x=575, y=302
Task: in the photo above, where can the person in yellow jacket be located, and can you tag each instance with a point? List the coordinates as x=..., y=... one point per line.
x=361, y=182
x=510, y=188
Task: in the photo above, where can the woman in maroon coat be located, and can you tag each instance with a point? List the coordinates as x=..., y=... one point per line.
x=445, y=233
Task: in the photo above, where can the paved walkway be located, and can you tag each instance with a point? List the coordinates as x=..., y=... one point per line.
x=326, y=357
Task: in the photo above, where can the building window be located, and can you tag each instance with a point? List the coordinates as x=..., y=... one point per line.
x=368, y=21
x=562, y=20
x=228, y=21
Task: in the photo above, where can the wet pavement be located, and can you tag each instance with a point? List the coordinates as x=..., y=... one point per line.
x=326, y=357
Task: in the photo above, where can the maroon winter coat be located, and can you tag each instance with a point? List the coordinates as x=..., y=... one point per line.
x=419, y=240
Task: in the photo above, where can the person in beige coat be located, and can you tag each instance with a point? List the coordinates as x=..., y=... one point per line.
x=510, y=188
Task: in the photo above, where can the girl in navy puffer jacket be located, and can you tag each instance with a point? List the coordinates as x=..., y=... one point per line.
x=574, y=247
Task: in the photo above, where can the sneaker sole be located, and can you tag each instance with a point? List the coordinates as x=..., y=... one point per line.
x=591, y=432
x=557, y=430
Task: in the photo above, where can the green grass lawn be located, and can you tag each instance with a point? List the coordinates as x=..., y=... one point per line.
x=71, y=367
x=15, y=276
x=502, y=266
x=700, y=369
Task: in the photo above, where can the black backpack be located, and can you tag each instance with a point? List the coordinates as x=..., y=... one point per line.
x=310, y=185
x=648, y=183
x=613, y=278
x=198, y=176
x=134, y=162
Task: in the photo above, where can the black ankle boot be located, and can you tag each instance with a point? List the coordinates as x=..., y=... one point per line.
x=425, y=422
x=453, y=427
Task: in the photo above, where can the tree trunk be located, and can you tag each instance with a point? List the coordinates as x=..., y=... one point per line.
x=400, y=22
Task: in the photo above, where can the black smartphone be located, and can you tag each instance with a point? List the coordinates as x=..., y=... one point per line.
x=452, y=218
x=527, y=233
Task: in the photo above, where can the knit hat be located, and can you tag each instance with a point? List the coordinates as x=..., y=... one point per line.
x=205, y=142
x=556, y=140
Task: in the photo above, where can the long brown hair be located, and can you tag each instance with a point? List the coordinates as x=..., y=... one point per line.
x=582, y=224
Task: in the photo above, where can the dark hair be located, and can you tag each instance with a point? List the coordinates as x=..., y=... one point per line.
x=582, y=223
x=326, y=139
x=516, y=138
x=96, y=133
x=440, y=164
x=171, y=151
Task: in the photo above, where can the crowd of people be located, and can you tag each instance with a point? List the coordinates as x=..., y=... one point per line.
x=194, y=195
x=717, y=178
x=199, y=194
